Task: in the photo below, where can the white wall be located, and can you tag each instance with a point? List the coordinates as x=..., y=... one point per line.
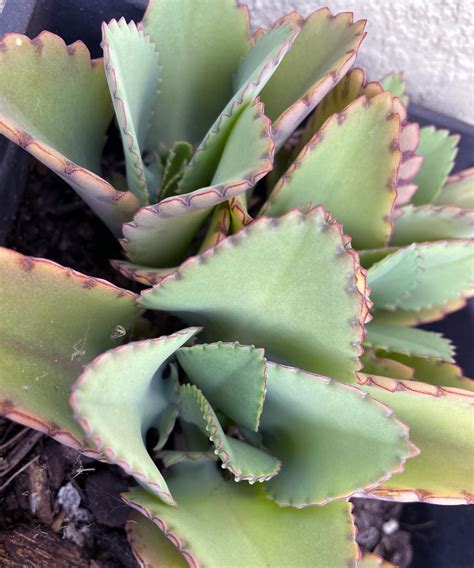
x=431, y=40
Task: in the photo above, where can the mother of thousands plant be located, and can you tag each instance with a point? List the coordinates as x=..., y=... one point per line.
x=303, y=370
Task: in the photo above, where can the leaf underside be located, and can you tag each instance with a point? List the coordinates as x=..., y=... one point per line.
x=376, y=365
x=396, y=84
x=458, y=190
x=237, y=513
x=440, y=422
x=354, y=154
x=54, y=320
x=121, y=395
x=303, y=316
x=62, y=127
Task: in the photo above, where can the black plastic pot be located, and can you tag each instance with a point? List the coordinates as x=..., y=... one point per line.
x=442, y=536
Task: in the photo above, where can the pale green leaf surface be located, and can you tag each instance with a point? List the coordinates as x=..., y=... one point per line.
x=409, y=341
x=251, y=76
x=396, y=84
x=231, y=376
x=375, y=365
x=219, y=226
x=431, y=223
x=160, y=234
x=250, y=530
x=121, y=395
x=439, y=150
x=133, y=74
x=55, y=104
x=53, y=321
x=178, y=156
x=321, y=55
x=440, y=421
x=434, y=372
x=316, y=427
x=421, y=316
x=244, y=461
x=350, y=167
x=393, y=278
x=200, y=45
x=458, y=190
x=150, y=546
x=268, y=290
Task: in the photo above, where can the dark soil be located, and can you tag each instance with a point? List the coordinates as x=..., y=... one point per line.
x=58, y=508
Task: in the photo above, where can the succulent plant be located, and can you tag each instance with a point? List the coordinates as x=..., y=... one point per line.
x=304, y=376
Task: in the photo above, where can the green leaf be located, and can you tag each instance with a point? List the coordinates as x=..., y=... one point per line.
x=133, y=74
x=200, y=46
x=323, y=52
x=446, y=274
x=350, y=88
x=393, y=279
x=64, y=124
x=355, y=154
x=440, y=421
x=178, y=157
x=418, y=317
x=144, y=274
x=159, y=235
x=121, y=395
x=458, y=190
x=252, y=75
x=150, y=546
x=219, y=227
x=439, y=150
x=244, y=461
x=269, y=290
x=434, y=372
x=316, y=427
x=375, y=365
x=219, y=523
x=431, y=223
x=54, y=320
x=396, y=84
x=231, y=376
x=385, y=337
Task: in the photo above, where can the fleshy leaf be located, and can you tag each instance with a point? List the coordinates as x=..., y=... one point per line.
x=419, y=317
x=252, y=75
x=244, y=461
x=121, y=395
x=323, y=52
x=251, y=530
x=375, y=365
x=431, y=223
x=392, y=279
x=200, y=46
x=133, y=74
x=434, y=372
x=219, y=227
x=314, y=424
x=350, y=88
x=231, y=376
x=54, y=320
x=305, y=316
x=355, y=153
x=178, y=157
x=144, y=274
x=64, y=124
x=150, y=546
x=396, y=84
x=159, y=235
x=440, y=421
x=371, y=560
x=409, y=341
x=439, y=150
x=446, y=275
x=458, y=190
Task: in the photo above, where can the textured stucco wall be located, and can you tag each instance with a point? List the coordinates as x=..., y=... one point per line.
x=432, y=41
